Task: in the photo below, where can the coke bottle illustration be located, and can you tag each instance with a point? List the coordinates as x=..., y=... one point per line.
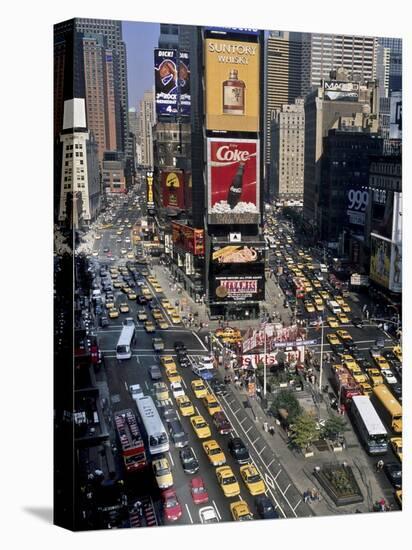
x=235, y=190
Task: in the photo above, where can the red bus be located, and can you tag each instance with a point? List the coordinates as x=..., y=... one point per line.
x=299, y=287
x=133, y=451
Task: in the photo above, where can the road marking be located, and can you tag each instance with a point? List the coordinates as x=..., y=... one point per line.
x=248, y=430
x=190, y=516
x=194, y=452
x=271, y=462
x=217, y=509
x=299, y=501
x=184, y=383
x=201, y=343
x=257, y=439
x=237, y=410
x=125, y=385
x=269, y=481
x=197, y=411
x=284, y=492
x=260, y=452
x=171, y=458
x=137, y=359
x=177, y=413
x=147, y=385
x=243, y=419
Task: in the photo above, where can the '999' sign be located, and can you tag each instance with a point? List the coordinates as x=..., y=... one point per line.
x=357, y=200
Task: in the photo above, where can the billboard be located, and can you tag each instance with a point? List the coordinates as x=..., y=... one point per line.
x=233, y=181
x=172, y=183
x=340, y=91
x=277, y=336
x=149, y=189
x=183, y=73
x=232, y=85
x=243, y=253
x=232, y=30
x=395, y=275
x=232, y=288
x=395, y=121
x=357, y=199
x=188, y=238
x=166, y=81
x=380, y=260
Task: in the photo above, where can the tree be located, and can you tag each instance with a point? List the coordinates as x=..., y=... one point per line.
x=286, y=400
x=334, y=426
x=303, y=431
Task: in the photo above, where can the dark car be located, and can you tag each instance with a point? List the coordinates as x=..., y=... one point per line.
x=239, y=450
x=265, y=508
x=393, y=472
x=221, y=422
x=380, y=343
x=168, y=413
x=389, y=355
x=364, y=364
x=177, y=433
x=155, y=373
x=396, y=389
x=104, y=321
x=357, y=322
x=189, y=462
x=218, y=387
x=179, y=345
x=338, y=349
x=141, y=300
x=184, y=361
x=357, y=355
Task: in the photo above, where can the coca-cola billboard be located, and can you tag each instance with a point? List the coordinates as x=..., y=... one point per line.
x=233, y=181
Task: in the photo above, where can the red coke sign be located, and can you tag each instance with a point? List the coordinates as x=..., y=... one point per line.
x=233, y=181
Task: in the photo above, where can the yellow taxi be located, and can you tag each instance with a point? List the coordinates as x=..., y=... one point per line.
x=381, y=362
x=317, y=284
x=132, y=295
x=115, y=275
x=165, y=302
x=172, y=374
x=167, y=360
x=396, y=444
x=124, y=308
x=130, y=255
x=240, y=511
x=339, y=300
x=158, y=289
x=375, y=376
x=211, y=404
x=199, y=388
x=344, y=335
x=214, y=453
x=398, y=497
x=118, y=284
x=185, y=405
x=361, y=378
x=309, y=306
x=343, y=318
x=109, y=304
x=366, y=388
x=332, y=339
x=146, y=293
x=157, y=314
x=398, y=352
x=345, y=307
x=325, y=295
x=163, y=473
x=113, y=313
x=149, y=327
x=161, y=391
x=252, y=479
x=333, y=322
x=152, y=279
x=169, y=308
x=227, y=481
x=200, y=426
x=175, y=318
x=162, y=323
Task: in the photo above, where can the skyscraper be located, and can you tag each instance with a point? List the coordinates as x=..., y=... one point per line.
x=146, y=123
x=394, y=45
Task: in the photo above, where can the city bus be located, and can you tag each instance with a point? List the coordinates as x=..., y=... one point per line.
x=368, y=425
x=156, y=434
x=124, y=345
x=131, y=442
x=388, y=407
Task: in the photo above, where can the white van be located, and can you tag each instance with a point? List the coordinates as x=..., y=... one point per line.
x=323, y=268
x=334, y=307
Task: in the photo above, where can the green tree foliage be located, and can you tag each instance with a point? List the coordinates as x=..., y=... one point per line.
x=286, y=400
x=334, y=426
x=303, y=431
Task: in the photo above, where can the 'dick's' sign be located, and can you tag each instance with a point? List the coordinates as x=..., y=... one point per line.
x=232, y=85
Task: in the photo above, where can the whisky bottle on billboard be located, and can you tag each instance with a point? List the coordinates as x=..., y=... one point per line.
x=234, y=95
x=235, y=189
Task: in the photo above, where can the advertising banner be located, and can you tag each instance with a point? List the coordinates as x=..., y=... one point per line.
x=233, y=181
x=232, y=85
x=357, y=202
x=380, y=260
x=340, y=91
x=382, y=210
x=149, y=189
x=173, y=189
x=395, y=278
x=188, y=239
x=277, y=336
x=166, y=82
x=232, y=30
x=244, y=253
x=395, y=122
x=238, y=288
x=183, y=72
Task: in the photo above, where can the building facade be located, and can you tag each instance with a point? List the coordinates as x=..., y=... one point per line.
x=287, y=152
x=146, y=122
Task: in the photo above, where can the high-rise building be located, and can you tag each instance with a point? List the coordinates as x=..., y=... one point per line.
x=283, y=77
x=324, y=109
x=322, y=53
x=394, y=45
x=80, y=181
x=147, y=119
x=287, y=152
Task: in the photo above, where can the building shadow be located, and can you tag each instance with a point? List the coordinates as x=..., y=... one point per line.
x=45, y=514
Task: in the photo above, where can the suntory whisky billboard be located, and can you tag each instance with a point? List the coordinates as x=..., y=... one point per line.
x=232, y=85
x=233, y=181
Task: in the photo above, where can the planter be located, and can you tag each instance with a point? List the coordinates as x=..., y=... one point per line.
x=308, y=454
x=283, y=385
x=340, y=484
x=337, y=447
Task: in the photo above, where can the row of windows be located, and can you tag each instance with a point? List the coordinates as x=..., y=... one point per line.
x=76, y=146
x=70, y=164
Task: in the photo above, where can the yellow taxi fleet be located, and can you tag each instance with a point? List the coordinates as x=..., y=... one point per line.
x=200, y=427
x=199, y=389
x=252, y=479
x=214, y=453
x=186, y=407
x=227, y=481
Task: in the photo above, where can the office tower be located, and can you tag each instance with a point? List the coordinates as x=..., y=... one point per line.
x=80, y=183
x=146, y=123
x=169, y=35
x=394, y=45
x=322, y=53
x=283, y=77
x=287, y=152
x=324, y=108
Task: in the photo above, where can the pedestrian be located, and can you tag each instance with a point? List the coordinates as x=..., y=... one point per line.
x=272, y=430
x=265, y=426
x=312, y=494
x=379, y=465
x=306, y=496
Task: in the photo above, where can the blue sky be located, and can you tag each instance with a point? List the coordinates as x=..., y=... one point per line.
x=140, y=39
